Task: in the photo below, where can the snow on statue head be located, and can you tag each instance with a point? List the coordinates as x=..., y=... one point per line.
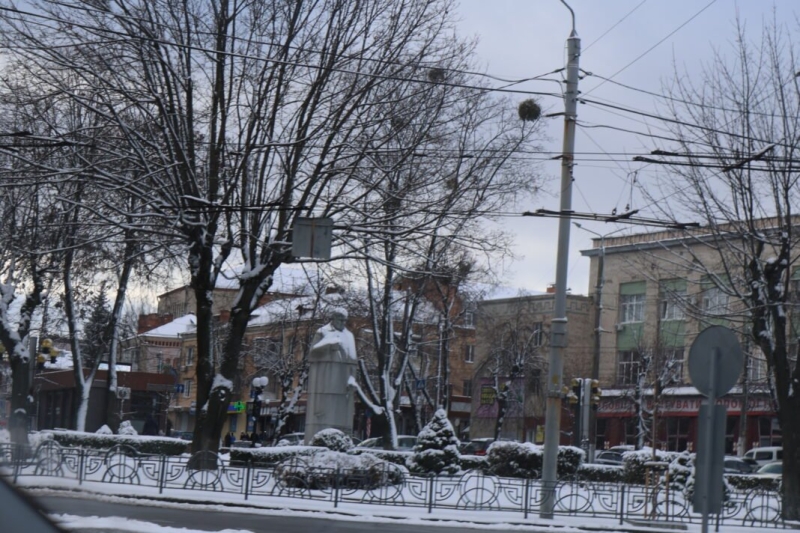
x=338, y=317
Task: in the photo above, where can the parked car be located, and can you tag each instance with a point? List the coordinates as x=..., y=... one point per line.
x=609, y=457
x=404, y=443
x=737, y=465
x=765, y=455
x=475, y=446
x=185, y=435
x=770, y=471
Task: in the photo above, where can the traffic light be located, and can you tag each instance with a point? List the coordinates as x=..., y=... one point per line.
x=595, y=394
x=574, y=395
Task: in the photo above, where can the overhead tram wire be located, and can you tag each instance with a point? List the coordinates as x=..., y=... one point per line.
x=227, y=53
x=670, y=34
x=620, y=21
x=503, y=79
x=627, y=217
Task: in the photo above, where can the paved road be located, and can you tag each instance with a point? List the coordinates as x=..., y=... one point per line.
x=206, y=520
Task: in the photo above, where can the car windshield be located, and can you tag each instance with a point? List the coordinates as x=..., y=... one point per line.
x=772, y=468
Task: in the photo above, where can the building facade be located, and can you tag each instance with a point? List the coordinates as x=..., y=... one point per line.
x=659, y=290
x=512, y=350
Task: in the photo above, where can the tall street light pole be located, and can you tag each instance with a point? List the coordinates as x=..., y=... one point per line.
x=558, y=330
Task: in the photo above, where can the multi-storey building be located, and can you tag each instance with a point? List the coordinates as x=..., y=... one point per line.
x=655, y=299
x=512, y=350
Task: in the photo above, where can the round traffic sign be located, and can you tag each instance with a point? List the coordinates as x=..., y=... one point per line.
x=719, y=342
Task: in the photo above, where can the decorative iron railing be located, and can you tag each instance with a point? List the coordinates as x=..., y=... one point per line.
x=386, y=484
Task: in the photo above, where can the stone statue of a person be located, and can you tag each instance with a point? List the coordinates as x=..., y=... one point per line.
x=332, y=363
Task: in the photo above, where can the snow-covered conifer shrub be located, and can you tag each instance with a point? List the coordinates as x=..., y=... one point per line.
x=436, y=451
x=333, y=439
x=105, y=430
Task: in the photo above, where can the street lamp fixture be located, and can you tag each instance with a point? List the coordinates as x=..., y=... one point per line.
x=259, y=384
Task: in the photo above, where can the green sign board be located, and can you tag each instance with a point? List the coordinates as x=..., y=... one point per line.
x=237, y=407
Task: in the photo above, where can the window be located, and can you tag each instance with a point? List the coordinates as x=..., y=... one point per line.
x=466, y=390
x=190, y=356
x=538, y=335
x=677, y=433
x=715, y=301
x=469, y=353
x=631, y=308
x=629, y=363
x=672, y=306
x=756, y=366
x=267, y=351
x=187, y=388
x=469, y=318
x=673, y=362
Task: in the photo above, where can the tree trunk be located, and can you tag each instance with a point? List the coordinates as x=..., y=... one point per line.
x=20, y=386
x=790, y=428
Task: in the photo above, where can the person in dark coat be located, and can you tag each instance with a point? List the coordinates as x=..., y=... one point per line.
x=227, y=441
x=150, y=426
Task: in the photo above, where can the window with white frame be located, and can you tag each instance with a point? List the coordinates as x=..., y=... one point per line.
x=631, y=308
x=187, y=388
x=715, y=301
x=537, y=336
x=672, y=304
x=628, y=365
x=469, y=317
x=469, y=353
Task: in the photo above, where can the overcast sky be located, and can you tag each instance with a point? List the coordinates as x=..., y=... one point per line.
x=525, y=38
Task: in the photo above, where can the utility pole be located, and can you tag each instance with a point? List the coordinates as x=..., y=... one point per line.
x=558, y=333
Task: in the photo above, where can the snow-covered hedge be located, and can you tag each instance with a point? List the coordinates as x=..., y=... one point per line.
x=635, y=463
x=142, y=444
x=397, y=457
x=741, y=482
x=436, y=451
x=332, y=439
x=326, y=469
x=270, y=456
x=600, y=473
x=473, y=462
x=524, y=460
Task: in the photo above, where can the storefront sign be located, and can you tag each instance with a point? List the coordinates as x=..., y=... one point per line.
x=236, y=407
x=686, y=405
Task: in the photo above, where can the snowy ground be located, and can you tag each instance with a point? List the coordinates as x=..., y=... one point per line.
x=122, y=525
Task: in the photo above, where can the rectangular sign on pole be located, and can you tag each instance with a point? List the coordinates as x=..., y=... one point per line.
x=311, y=237
x=710, y=458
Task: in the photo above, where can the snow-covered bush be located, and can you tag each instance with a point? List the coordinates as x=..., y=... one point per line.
x=102, y=441
x=525, y=460
x=398, y=457
x=473, y=462
x=745, y=482
x=333, y=439
x=270, y=456
x=327, y=469
x=436, y=451
x=568, y=460
x=5, y=436
x=600, y=473
x=514, y=459
x=105, y=430
x=635, y=463
x=126, y=428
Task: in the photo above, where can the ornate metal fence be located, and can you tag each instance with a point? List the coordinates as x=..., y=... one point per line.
x=385, y=484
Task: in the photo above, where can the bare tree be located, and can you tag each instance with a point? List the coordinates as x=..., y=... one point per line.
x=738, y=134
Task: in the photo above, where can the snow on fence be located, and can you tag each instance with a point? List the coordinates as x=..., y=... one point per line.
x=373, y=481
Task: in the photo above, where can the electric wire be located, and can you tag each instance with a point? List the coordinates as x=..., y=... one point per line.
x=182, y=46
x=640, y=4
x=670, y=34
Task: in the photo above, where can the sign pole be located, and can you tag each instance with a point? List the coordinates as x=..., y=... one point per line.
x=710, y=402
